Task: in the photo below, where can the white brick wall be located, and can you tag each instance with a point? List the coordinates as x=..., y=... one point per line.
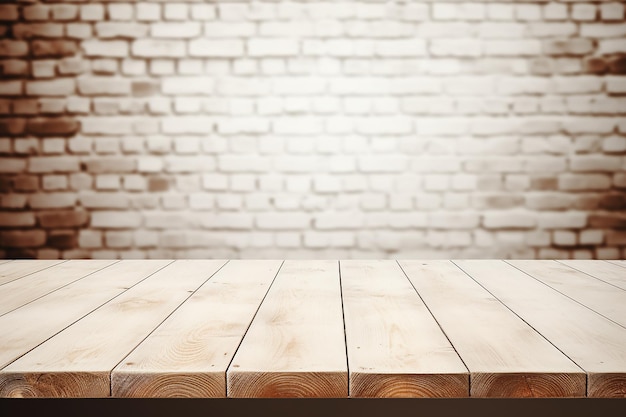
x=349, y=128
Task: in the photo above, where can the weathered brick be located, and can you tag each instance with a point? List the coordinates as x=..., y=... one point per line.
x=13, y=48
x=52, y=200
x=52, y=126
x=160, y=48
x=98, y=48
x=608, y=220
x=272, y=47
x=90, y=86
x=56, y=87
x=56, y=48
x=62, y=239
x=37, y=30
x=22, y=238
x=562, y=220
x=16, y=219
x=613, y=202
x=62, y=218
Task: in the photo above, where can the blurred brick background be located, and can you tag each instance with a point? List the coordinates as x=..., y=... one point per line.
x=313, y=129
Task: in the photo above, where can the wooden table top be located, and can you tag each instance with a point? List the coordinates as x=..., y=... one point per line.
x=305, y=328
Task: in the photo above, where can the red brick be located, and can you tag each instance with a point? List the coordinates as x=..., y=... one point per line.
x=618, y=65
x=37, y=30
x=13, y=48
x=12, y=165
x=613, y=202
x=22, y=238
x=9, y=12
x=52, y=126
x=62, y=218
x=56, y=48
x=616, y=238
x=608, y=221
x=595, y=65
x=16, y=219
x=12, y=126
x=25, y=182
x=62, y=239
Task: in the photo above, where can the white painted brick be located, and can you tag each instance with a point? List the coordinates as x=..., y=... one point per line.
x=97, y=48
x=401, y=48
x=43, y=68
x=115, y=219
x=527, y=12
x=611, y=46
x=149, y=48
x=612, y=11
x=203, y=12
x=584, y=12
x=297, y=125
x=272, y=47
x=176, y=11
x=616, y=84
x=456, y=47
x=92, y=12
x=512, y=48
x=148, y=11
x=121, y=11
x=175, y=30
x=299, y=86
x=555, y=11
x=215, y=48
x=445, y=11
x=500, y=11
x=187, y=85
x=56, y=87
x=228, y=29
x=283, y=221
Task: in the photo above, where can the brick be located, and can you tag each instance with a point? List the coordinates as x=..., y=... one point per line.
x=78, y=30
x=56, y=48
x=500, y=11
x=509, y=220
x=11, y=88
x=595, y=163
x=607, y=221
x=203, y=12
x=272, y=47
x=103, y=200
x=555, y=11
x=562, y=220
x=175, y=30
x=64, y=11
x=547, y=30
x=22, y=238
x=91, y=86
x=528, y=12
x=13, y=201
x=572, y=46
x=119, y=30
x=115, y=219
x=16, y=219
x=456, y=47
x=216, y=48
x=580, y=182
x=603, y=30
x=612, y=11
x=57, y=87
x=401, y=48
x=617, y=238
x=44, y=68
x=584, y=12
x=616, y=84
x=53, y=164
x=37, y=30
x=176, y=11
x=283, y=221
x=611, y=46
x=148, y=11
x=450, y=220
x=118, y=239
x=52, y=200
x=150, y=48
x=52, y=126
x=54, y=182
x=26, y=145
x=62, y=218
x=297, y=125
x=13, y=48
x=120, y=11
x=512, y=48
x=38, y=12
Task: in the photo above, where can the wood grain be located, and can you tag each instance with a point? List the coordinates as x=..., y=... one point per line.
x=79, y=359
x=30, y=325
x=595, y=343
x=16, y=293
x=505, y=356
x=395, y=347
x=598, y=295
x=188, y=354
x=605, y=271
x=619, y=263
x=295, y=346
x=10, y=271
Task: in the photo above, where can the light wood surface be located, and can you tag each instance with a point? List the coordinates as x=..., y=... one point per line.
x=12, y=270
x=26, y=289
x=395, y=347
x=593, y=342
x=77, y=362
x=30, y=325
x=323, y=328
x=505, y=356
x=598, y=295
x=605, y=271
x=295, y=347
x=188, y=354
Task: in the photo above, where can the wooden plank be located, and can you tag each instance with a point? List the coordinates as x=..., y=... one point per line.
x=505, y=356
x=598, y=295
x=619, y=263
x=78, y=361
x=24, y=328
x=188, y=354
x=395, y=347
x=17, y=269
x=605, y=271
x=295, y=346
x=17, y=293
x=593, y=342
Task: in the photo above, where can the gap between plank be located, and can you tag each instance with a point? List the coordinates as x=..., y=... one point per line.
x=56, y=289
x=528, y=324
x=248, y=328
x=345, y=335
x=469, y=382
x=592, y=276
x=86, y=314
x=616, y=262
x=158, y=325
x=34, y=272
x=555, y=289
